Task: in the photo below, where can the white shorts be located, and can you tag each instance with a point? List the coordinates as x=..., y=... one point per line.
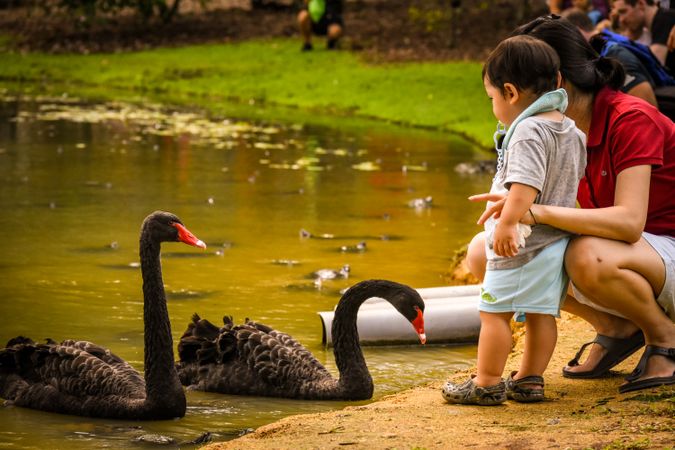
x=665, y=247
x=536, y=287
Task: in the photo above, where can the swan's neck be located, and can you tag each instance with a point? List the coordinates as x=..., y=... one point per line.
x=355, y=380
x=163, y=388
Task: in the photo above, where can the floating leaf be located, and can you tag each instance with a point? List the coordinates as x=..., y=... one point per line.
x=367, y=166
x=268, y=146
x=409, y=168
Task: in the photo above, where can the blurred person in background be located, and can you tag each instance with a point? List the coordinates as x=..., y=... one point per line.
x=636, y=16
x=323, y=18
x=597, y=10
x=646, y=78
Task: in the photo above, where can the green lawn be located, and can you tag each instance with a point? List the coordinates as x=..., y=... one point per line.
x=448, y=96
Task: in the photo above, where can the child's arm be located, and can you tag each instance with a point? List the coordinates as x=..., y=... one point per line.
x=519, y=200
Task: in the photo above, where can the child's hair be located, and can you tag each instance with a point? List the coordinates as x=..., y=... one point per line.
x=524, y=61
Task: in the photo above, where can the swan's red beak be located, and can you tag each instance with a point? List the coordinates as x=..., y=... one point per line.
x=184, y=235
x=418, y=324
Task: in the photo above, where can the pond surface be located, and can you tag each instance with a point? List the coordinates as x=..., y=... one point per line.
x=77, y=180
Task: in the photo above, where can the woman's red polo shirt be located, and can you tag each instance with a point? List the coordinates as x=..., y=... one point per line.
x=626, y=131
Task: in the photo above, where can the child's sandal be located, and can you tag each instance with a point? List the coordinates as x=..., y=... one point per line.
x=468, y=393
x=519, y=391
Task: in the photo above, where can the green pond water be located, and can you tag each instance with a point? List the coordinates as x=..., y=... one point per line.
x=77, y=180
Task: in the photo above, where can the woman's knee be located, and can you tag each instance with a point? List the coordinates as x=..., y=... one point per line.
x=587, y=264
x=476, y=259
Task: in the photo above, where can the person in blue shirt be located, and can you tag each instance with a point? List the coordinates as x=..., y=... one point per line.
x=656, y=86
x=637, y=15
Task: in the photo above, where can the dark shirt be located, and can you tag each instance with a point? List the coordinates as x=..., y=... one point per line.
x=664, y=20
x=334, y=7
x=635, y=71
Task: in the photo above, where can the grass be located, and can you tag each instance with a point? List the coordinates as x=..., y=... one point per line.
x=447, y=96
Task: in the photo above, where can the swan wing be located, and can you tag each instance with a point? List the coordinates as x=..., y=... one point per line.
x=248, y=359
x=30, y=372
x=275, y=357
x=123, y=370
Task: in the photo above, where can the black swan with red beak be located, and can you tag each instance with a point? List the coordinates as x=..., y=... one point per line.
x=81, y=378
x=254, y=359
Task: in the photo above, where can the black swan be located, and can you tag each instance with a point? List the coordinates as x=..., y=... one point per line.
x=254, y=359
x=81, y=378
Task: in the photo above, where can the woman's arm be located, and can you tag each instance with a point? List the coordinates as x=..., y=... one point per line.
x=644, y=91
x=624, y=221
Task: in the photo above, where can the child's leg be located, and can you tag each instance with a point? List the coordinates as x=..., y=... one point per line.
x=494, y=345
x=541, y=335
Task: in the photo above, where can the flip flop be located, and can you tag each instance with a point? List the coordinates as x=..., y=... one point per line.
x=618, y=349
x=635, y=385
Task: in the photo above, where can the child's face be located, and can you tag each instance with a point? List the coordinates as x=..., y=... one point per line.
x=504, y=106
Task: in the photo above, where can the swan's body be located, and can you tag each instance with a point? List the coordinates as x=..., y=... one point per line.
x=253, y=359
x=81, y=378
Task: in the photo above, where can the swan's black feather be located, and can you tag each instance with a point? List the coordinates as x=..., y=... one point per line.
x=264, y=361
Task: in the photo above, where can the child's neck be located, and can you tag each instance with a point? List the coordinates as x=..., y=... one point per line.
x=528, y=98
x=554, y=115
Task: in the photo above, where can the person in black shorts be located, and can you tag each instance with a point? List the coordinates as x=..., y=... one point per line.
x=323, y=18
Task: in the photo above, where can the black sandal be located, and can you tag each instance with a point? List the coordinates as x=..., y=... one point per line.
x=634, y=384
x=516, y=390
x=618, y=349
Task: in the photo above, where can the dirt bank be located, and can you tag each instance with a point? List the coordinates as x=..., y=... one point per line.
x=577, y=414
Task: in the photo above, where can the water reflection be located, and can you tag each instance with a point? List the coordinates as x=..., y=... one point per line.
x=77, y=180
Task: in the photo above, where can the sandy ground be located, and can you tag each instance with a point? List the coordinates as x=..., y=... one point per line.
x=580, y=414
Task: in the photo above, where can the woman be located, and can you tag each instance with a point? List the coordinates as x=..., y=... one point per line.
x=622, y=267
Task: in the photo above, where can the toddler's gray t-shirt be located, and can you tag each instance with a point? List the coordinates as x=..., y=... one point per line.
x=549, y=156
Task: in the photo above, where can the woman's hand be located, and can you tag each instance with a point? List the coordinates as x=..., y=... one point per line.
x=493, y=210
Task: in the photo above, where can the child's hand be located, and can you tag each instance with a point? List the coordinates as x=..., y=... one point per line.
x=505, y=240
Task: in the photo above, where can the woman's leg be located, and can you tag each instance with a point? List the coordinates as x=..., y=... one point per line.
x=494, y=345
x=475, y=256
x=625, y=278
x=603, y=323
x=541, y=335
